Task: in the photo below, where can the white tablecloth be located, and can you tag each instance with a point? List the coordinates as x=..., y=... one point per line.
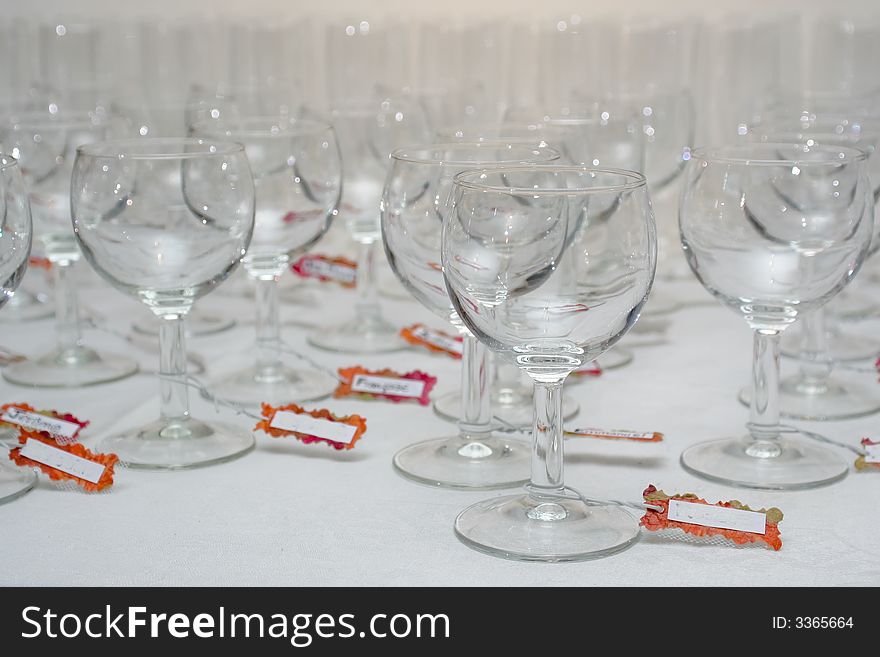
x=292, y=514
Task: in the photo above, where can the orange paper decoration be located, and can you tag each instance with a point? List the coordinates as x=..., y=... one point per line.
x=656, y=520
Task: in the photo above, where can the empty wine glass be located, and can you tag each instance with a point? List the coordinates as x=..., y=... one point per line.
x=548, y=266
x=160, y=119
x=26, y=305
x=166, y=221
x=816, y=392
x=297, y=179
x=773, y=231
x=413, y=204
x=45, y=145
x=15, y=249
x=367, y=133
x=592, y=136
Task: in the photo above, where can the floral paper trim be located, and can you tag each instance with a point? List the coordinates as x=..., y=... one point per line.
x=657, y=520
x=348, y=374
x=410, y=335
x=304, y=267
x=36, y=262
x=590, y=369
x=268, y=412
x=77, y=449
x=48, y=413
x=861, y=463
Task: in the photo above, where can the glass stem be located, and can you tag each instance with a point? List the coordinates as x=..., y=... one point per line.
x=268, y=331
x=66, y=310
x=547, y=449
x=475, y=423
x=173, y=393
x=815, y=360
x=764, y=413
x=367, y=304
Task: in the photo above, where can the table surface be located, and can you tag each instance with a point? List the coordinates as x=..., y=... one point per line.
x=294, y=514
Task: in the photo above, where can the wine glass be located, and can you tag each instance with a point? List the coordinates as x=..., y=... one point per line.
x=298, y=181
x=26, y=305
x=815, y=392
x=166, y=221
x=667, y=124
x=160, y=118
x=368, y=132
x=590, y=136
x=15, y=249
x=548, y=266
x=413, y=204
x=773, y=230
x=45, y=144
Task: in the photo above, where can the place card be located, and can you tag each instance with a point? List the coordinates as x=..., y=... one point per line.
x=870, y=460
x=616, y=434
x=312, y=426
x=695, y=516
x=63, y=428
x=326, y=269
x=433, y=340
x=73, y=462
x=385, y=384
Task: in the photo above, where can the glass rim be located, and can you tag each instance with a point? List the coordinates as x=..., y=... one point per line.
x=7, y=161
x=406, y=153
x=727, y=154
x=453, y=128
x=635, y=180
x=859, y=142
x=139, y=149
x=557, y=120
x=62, y=120
x=298, y=127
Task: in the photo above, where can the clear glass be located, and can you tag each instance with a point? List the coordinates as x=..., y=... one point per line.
x=583, y=136
x=15, y=249
x=45, y=144
x=549, y=267
x=297, y=177
x=773, y=231
x=368, y=131
x=416, y=196
x=165, y=221
x=510, y=398
x=160, y=118
x=817, y=392
x=666, y=121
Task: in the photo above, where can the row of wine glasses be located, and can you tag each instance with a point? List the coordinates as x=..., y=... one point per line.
x=546, y=264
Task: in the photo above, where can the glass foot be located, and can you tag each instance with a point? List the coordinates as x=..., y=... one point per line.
x=833, y=399
x=359, y=336
x=792, y=463
x=512, y=407
x=614, y=358
x=15, y=482
x=524, y=528
x=196, y=322
x=70, y=368
x=26, y=307
x=451, y=462
x=842, y=346
x=193, y=444
x=251, y=386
